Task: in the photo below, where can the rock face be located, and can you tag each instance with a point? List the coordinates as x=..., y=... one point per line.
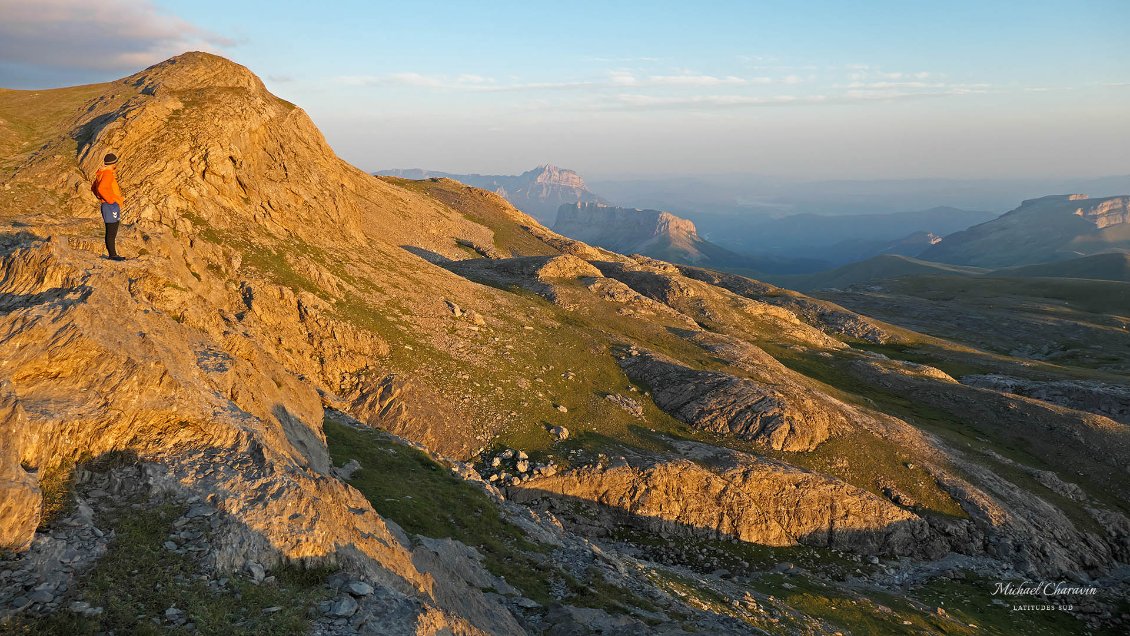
x=650, y=232
x=538, y=192
x=1050, y=228
x=1110, y=400
x=20, y=499
x=625, y=230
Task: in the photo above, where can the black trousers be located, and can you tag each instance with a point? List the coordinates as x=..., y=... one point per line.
x=111, y=236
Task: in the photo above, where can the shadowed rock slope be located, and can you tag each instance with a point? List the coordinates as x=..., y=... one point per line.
x=279, y=302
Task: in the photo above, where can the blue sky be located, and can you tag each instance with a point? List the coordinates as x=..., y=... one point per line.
x=814, y=89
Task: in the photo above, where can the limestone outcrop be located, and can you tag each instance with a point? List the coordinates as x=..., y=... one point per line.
x=734, y=495
x=730, y=405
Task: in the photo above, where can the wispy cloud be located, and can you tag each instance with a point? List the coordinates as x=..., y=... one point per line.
x=612, y=79
x=687, y=89
x=107, y=35
x=640, y=101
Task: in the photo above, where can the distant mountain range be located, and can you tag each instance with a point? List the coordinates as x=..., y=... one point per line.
x=793, y=244
x=1060, y=236
x=1051, y=228
x=844, y=238
x=742, y=195
x=538, y=192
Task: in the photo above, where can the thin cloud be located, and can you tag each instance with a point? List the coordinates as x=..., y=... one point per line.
x=639, y=101
x=613, y=80
x=107, y=35
x=650, y=102
x=620, y=60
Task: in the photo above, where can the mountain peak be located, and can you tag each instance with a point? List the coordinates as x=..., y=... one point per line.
x=195, y=70
x=553, y=175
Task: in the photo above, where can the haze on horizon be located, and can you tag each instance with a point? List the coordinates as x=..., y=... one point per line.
x=813, y=90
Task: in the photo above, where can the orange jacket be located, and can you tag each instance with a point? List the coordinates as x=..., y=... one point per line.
x=105, y=186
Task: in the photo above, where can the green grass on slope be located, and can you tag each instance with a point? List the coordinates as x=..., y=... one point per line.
x=138, y=579
x=832, y=602
x=1108, y=266
x=967, y=606
x=425, y=498
x=1092, y=296
x=878, y=269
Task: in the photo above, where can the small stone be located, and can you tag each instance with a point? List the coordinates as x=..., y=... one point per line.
x=344, y=607
x=41, y=596
x=560, y=432
x=359, y=588
x=562, y=408
x=257, y=572
x=873, y=560
x=522, y=466
x=346, y=471
x=523, y=455
x=272, y=610
x=170, y=546
x=496, y=462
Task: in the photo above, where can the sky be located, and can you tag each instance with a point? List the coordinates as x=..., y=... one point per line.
x=816, y=89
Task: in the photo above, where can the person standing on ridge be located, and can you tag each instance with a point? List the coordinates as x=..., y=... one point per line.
x=105, y=187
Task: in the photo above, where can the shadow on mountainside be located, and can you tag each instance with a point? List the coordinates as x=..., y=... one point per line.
x=428, y=255
x=59, y=297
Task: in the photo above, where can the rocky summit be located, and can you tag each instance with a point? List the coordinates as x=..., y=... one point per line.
x=317, y=401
